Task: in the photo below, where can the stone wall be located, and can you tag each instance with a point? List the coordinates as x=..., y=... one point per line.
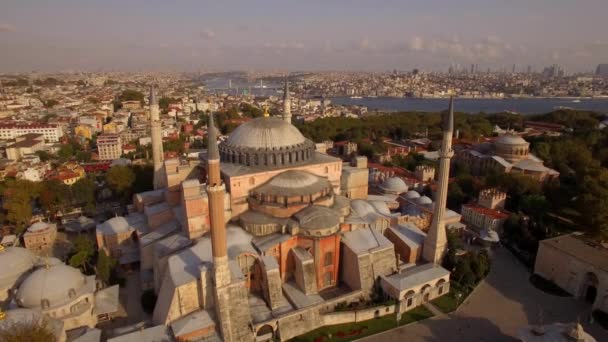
x=571, y=274
x=358, y=315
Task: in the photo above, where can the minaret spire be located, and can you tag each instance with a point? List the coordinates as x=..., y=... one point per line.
x=157, y=140
x=436, y=239
x=286, y=101
x=213, y=153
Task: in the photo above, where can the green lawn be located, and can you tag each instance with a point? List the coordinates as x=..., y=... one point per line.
x=446, y=303
x=416, y=314
x=353, y=331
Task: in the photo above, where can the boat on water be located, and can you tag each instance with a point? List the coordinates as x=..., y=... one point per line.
x=356, y=97
x=576, y=101
x=563, y=107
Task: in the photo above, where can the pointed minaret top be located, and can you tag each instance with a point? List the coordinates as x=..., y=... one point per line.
x=153, y=99
x=213, y=152
x=286, y=88
x=448, y=118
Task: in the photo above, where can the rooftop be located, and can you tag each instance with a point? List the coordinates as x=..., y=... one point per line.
x=581, y=249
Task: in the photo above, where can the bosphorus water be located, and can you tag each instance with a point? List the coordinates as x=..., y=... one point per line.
x=524, y=106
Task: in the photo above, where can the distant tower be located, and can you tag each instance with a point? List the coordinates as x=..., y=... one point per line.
x=157, y=139
x=436, y=239
x=286, y=102
x=231, y=301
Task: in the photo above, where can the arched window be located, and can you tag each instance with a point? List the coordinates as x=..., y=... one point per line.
x=329, y=259
x=72, y=293
x=44, y=304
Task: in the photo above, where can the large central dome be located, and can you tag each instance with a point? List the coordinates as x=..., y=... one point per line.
x=265, y=133
x=266, y=141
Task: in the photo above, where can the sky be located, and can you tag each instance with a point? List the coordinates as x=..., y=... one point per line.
x=373, y=35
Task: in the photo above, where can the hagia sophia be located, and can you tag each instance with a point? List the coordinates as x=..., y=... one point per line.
x=265, y=237
x=262, y=238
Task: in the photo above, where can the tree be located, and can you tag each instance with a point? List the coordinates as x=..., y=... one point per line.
x=54, y=196
x=83, y=156
x=120, y=179
x=44, y=155
x=82, y=253
x=83, y=191
x=105, y=266
x=30, y=331
x=18, y=208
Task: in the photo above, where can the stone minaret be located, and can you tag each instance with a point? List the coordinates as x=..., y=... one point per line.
x=436, y=239
x=157, y=139
x=221, y=273
x=286, y=102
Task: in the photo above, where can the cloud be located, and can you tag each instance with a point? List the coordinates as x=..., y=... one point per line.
x=208, y=34
x=4, y=27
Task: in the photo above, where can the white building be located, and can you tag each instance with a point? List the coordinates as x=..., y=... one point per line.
x=109, y=146
x=51, y=132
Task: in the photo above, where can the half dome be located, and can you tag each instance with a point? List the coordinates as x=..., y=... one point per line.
x=15, y=262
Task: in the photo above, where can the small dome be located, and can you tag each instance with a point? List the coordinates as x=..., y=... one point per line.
x=394, y=185
x=52, y=284
x=411, y=195
x=114, y=225
x=15, y=262
x=424, y=200
x=511, y=139
x=380, y=207
x=38, y=227
x=362, y=208
x=265, y=133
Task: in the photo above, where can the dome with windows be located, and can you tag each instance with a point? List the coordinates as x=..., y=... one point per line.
x=268, y=142
x=50, y=286
x=512, y=147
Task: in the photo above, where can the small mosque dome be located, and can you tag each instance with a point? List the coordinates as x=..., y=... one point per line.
x=380, y=207
x=38, y=227
x=412, y=194
x=511, y=139
x=393, y=185
x=424, y=200
x=52, y=284
x=114, y=225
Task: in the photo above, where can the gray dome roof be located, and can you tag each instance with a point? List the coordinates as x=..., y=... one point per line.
x=267, y=142
x=412, y=195
x=114, y=225
x=265, y=133
x=294, y=182
x=394, y=185
x=424, y=200
x=511, y=139
x=52, y=284
x=380, y=207
x=38, y=227
x=15, y=262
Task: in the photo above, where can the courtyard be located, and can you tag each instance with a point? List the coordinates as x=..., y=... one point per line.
x=501, y=304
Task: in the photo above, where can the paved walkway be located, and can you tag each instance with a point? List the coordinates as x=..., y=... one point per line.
x=501, y=304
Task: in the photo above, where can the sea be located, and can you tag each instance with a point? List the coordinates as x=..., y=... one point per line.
x=524, y=106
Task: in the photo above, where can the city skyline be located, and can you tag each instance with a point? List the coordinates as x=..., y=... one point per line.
x=272, y=35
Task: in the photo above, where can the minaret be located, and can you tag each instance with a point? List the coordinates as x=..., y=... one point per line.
x=157, y=139
x=436, y=239
x=221, y=274
x=286, y=102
